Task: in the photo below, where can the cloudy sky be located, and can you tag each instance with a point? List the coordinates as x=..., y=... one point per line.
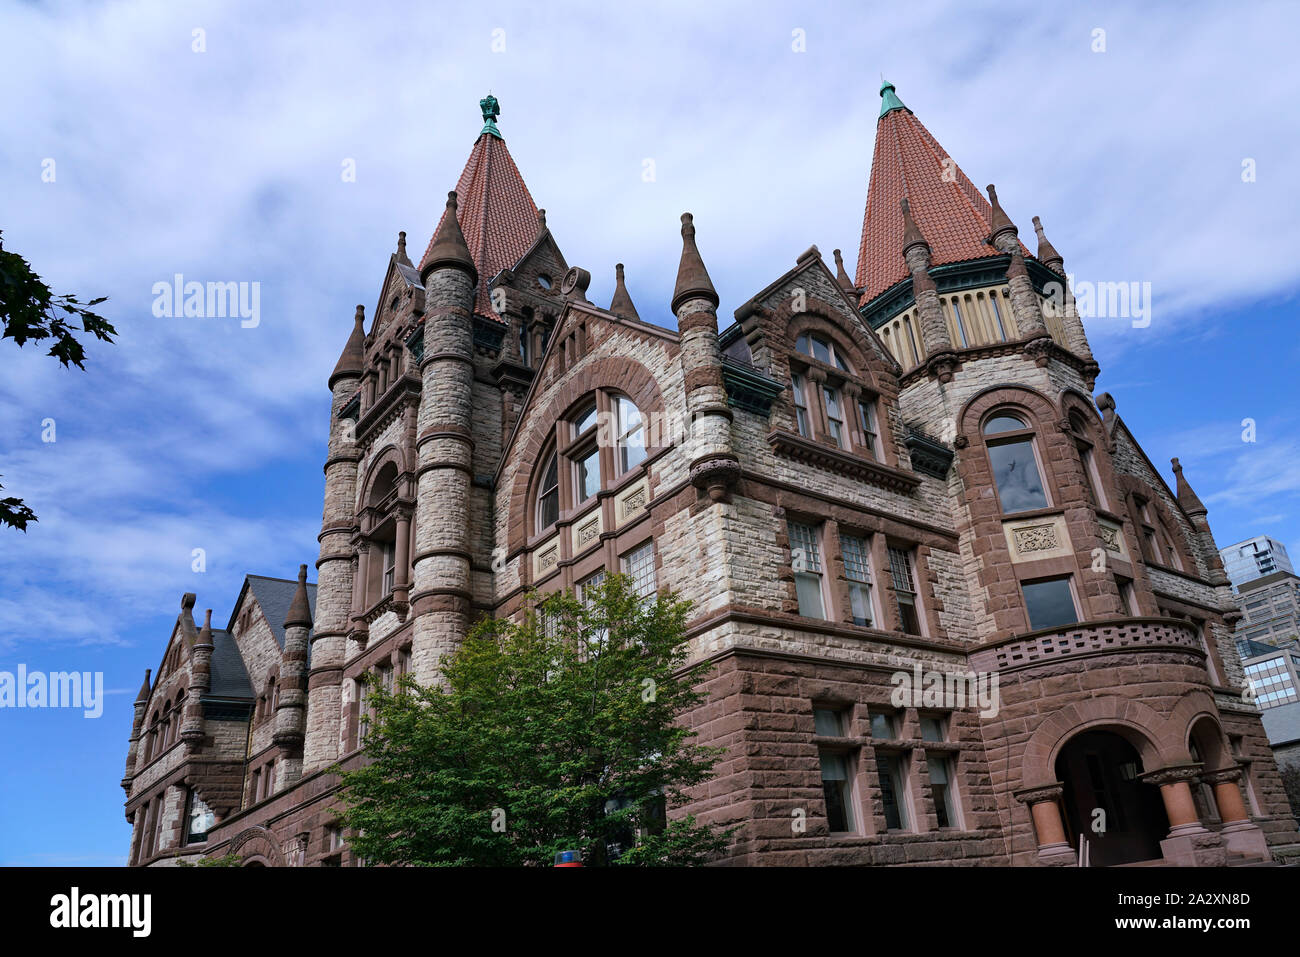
x=133, y=148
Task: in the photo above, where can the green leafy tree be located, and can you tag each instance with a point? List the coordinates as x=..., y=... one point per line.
x=552, y=734
x=29, y=310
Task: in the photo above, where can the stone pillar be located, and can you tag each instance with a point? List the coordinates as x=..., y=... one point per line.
x=1240, y=834
x=402, y=561
x=1076, y=337
x=1188, y=843
x=1045, y=809
x=695, y=302
x=440, y=593
x=1024, y=301
x=334, y=566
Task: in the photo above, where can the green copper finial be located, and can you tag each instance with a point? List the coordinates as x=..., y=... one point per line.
x=889, y=100
x=491, y=108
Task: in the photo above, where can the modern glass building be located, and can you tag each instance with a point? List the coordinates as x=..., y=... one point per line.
x=1254, y=558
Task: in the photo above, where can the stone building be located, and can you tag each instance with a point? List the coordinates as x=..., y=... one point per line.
x=891, y=481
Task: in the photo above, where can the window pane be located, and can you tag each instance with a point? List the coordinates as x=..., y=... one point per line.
x=931, y=728
x=585, y=419
x=1015, y=470
x=631, y=449
x=827, y=722
x=1002, y=423
x=800, y=405
x=589, y=475
x=941, y=791
x=639, y=565
x=836, y=790
x=860, y=603
x=891, y=792
x=804, y=552
x=821, y=350
x=882, y=726
x=549, y=509
x=809, y=590
x=1049, y=603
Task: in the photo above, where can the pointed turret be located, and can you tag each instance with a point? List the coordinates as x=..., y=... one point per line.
x=192, y=728
x=1047, y=254
x=497, y=217
x=841, y=274
x=889, y=100
x=448, y=247
x=693, y=280
x=911, y=233
x=918, y=256
x=146, y=687
x=1000, y=222
x=401, y=256
x=1186, y=497
x=352, y=361
x=621, y=304
x=300, y=608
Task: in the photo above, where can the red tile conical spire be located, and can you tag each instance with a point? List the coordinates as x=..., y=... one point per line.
x=908, y=163
x=497, y=215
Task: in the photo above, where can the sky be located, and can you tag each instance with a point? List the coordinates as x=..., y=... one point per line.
x=1157, y=142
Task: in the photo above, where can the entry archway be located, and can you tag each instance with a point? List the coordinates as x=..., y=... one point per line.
x=1106, y=801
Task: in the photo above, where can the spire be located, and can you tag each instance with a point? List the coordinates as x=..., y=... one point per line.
x=1186, y=497
x=300, y=607
x=889, y=100
x=1000, y=221
x=621, y=304
x=842, y=276
x=401, y=249
x=491, y=108
x=542, y=229
x=692, y=278
x=950, y=212
x=352, y=360
x=495, y=212
x=1047, y=254
x=144, y=688
x=205, y=633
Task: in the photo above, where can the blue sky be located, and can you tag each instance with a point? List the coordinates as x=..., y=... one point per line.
x=226, y=165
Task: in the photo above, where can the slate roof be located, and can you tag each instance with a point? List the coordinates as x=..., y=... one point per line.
x=274, y=595
x=229, y=676
x=496, y=214
x=953, y=216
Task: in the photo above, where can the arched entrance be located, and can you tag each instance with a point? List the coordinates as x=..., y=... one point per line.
x=1100, y=769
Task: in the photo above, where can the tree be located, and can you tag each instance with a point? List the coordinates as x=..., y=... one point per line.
x=30, y=310
x=555, y=733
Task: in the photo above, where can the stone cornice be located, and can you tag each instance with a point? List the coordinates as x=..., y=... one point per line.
x=794, y=446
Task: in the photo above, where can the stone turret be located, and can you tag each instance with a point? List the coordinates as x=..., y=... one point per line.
x=1024, y=301
x=1076, y=337
x=291, y=715
x=941, y=361
x=335, y=566
x=713, y=465
x=137, y=725
x=1197, y=514
x=842, y=275
x=440, y=592
x=621, y=304
x=192, y=732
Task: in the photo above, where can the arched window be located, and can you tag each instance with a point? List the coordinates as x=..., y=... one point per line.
x=1092, y=486
x=831, y=402
x=602, y=439
x=1014, y=462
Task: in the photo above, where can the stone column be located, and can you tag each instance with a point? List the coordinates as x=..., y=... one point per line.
x=1045, y=810
x=402, y=560
x=200, y=683
x=940, y=358
x=1240, y=834
x=1188, y=843
x=291, y=712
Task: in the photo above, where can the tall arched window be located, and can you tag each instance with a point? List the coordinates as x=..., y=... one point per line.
x=1014, y=461
x=1092, y=486
x=602, y=439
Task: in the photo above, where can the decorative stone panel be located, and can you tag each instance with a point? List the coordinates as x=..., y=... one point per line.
x=1033, y=539
x=631, y=502
x=546, y=557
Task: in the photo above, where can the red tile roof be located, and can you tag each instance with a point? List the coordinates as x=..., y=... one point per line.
x=496, y=212
x=951, y=213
